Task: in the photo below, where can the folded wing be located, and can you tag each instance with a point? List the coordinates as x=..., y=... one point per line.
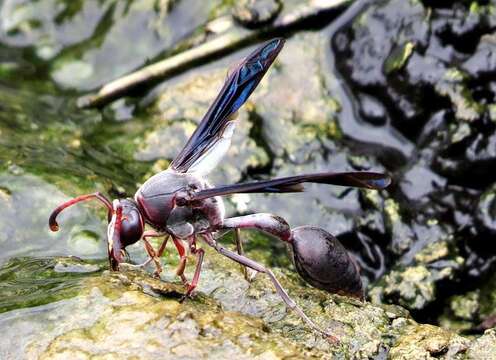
x=367, y=180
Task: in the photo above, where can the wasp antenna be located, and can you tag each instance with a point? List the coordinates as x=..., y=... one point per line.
x=52, y=222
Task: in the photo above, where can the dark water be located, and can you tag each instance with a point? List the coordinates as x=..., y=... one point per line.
x=423, y=96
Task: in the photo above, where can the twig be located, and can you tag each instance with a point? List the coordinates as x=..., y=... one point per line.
x=230, y=40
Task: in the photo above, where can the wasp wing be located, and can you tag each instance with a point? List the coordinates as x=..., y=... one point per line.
x=367, y=180
x=212, y=137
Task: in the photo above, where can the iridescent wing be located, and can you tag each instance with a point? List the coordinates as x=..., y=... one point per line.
x=367, y=180
x=212, y=137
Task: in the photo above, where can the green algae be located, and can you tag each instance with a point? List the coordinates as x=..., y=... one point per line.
x=468, y=311
x=398, y=57
x=28, y=282
x=415, y=286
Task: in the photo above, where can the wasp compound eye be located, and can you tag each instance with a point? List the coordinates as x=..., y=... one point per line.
x=323, y=262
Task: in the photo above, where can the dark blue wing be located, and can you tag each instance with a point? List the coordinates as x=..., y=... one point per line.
x=236, y=90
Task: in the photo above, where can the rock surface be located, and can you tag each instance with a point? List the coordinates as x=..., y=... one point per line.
x=132, y=314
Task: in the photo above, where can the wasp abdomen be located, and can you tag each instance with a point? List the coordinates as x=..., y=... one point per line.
x=324, y=262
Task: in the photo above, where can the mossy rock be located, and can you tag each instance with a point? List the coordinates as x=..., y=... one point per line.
x=131, y=314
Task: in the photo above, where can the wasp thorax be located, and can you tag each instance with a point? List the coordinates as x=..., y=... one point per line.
x=324, y=263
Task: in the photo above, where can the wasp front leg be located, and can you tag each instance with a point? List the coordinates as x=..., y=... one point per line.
x=199, y=253
x=152, y=254
x=181, y=250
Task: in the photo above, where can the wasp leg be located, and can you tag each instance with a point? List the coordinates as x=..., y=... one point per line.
x=290, y=303
x=155, y=255
x=269, y=223
x=249, y=274
x=152, y=254
x=161, y=249
x=194, y=282
x=182, y=260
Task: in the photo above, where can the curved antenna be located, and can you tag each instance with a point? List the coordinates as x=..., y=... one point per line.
x=52, y=222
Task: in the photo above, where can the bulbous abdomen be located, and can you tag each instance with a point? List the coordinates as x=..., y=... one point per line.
x=323, y=262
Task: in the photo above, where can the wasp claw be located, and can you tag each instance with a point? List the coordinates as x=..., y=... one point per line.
x=184, y=297
x=330, y=338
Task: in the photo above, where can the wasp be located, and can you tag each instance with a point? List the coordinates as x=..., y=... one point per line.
x=180, y=204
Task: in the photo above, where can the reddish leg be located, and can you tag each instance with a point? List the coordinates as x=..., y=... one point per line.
x=162, y=247
x=154, y=256
x=199, y=261
x=182, y=260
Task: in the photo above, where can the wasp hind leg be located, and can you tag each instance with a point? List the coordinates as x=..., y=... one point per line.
x=290, y=303
x=249, y=274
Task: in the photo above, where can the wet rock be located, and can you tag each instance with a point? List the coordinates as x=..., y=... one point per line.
x=372, y=110
x=371, y=48
x=28, y=282
x=146, y=328
x=483, y=347
x=429, y=343
x=465, y=307
x=132, y=314
x=422, y=75
x=26, y=202
x=415, y=286
x=463, y=313
x=486, y=210
x=402, y=234
x=434, y=81
x=255, y=13
x=419, y=181
x=483, y=62
x=473, y=311
x=80, y=41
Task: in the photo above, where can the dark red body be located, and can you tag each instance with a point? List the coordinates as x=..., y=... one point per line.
x=157, y=200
